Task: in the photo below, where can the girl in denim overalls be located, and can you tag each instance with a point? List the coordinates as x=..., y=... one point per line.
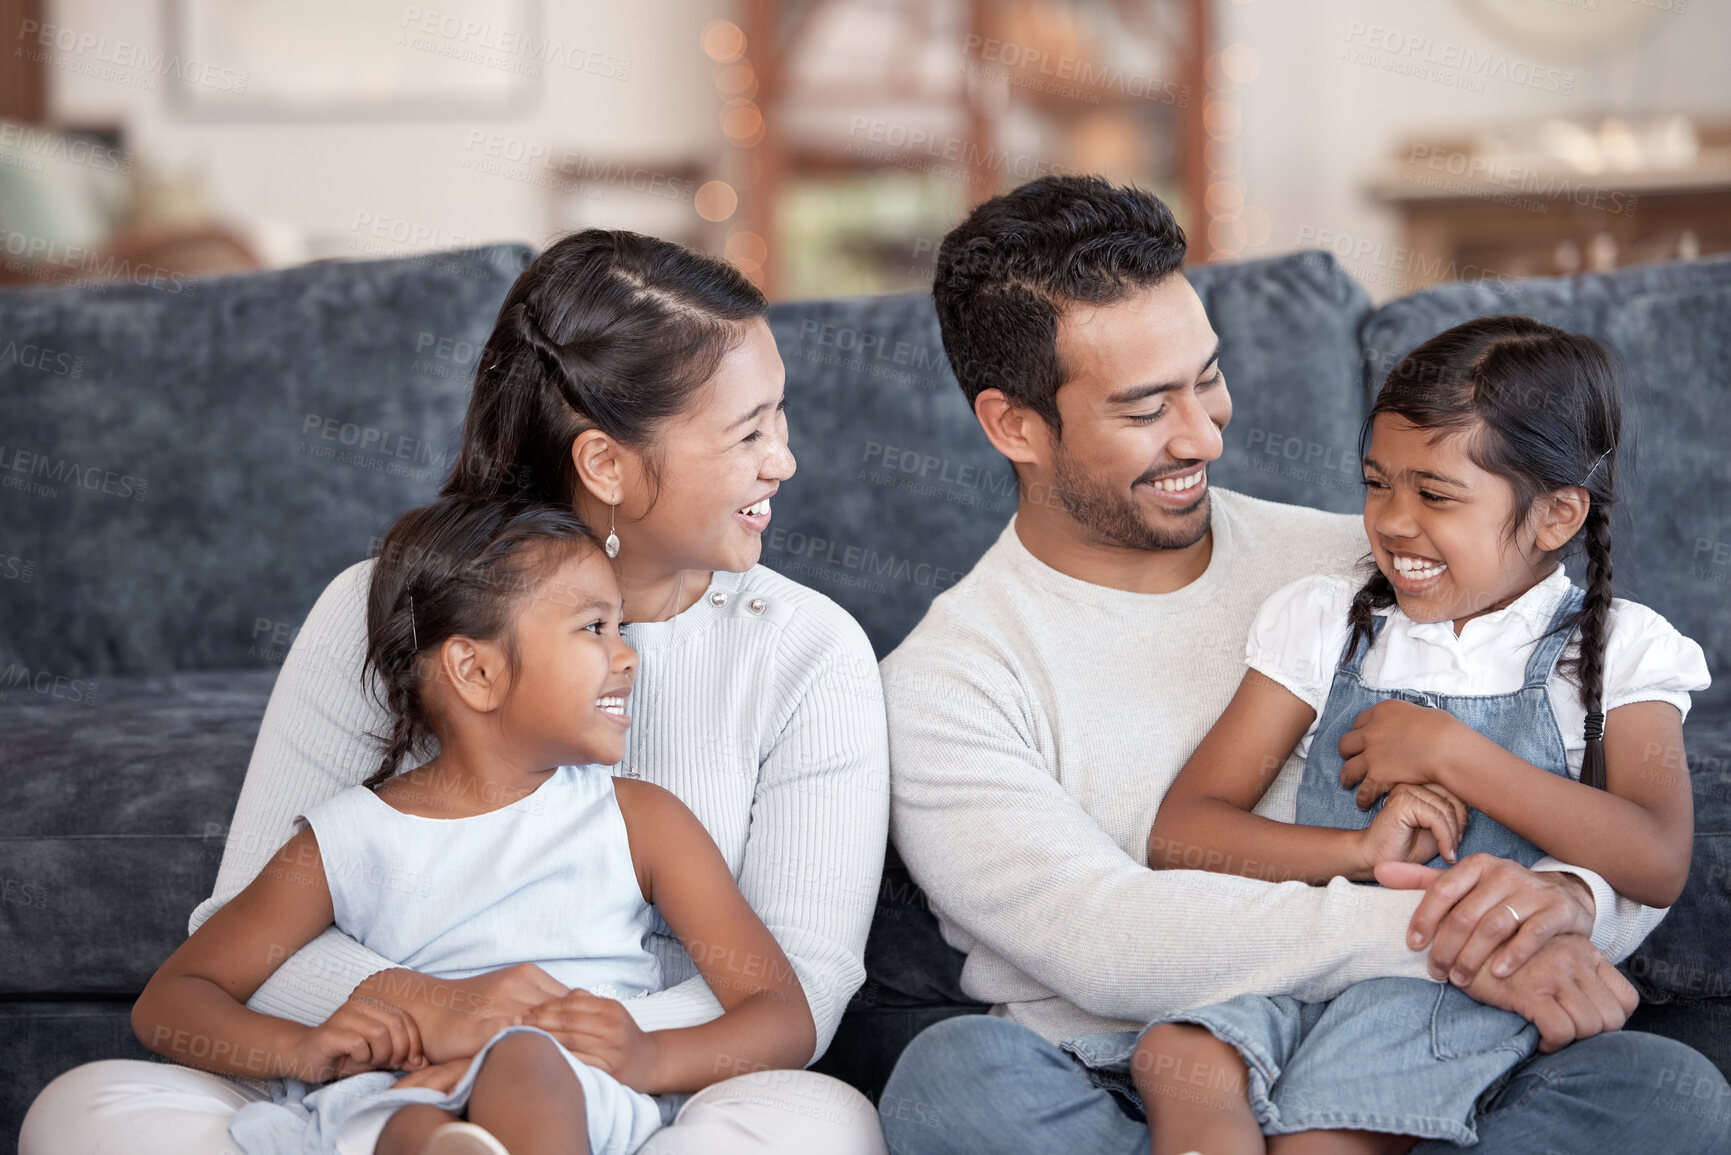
x=1466, y=699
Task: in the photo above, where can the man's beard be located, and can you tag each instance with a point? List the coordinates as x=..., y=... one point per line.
x=1115, y=518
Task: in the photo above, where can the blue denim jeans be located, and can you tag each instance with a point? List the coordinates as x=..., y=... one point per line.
x=1403, y=1056
x=976, y=1085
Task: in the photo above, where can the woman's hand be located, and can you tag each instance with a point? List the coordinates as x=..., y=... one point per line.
x=365, y=1034
x=457, y=1017
x=603, y=1034
x=1397, y=741
x=1468, y=913
x=1414, y=825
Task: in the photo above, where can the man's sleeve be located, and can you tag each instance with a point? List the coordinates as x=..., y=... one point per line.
x=1016, y=865
x=1619, y=924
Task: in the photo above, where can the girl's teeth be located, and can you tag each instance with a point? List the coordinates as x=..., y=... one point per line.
x=761, y=509
x=611, y=705
x=1179, y=484
x=1413, y=567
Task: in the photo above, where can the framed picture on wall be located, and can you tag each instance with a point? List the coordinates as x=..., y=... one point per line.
x=336, y=59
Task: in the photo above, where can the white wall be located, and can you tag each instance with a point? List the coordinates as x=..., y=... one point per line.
x=332, y=182
x=1317, y=126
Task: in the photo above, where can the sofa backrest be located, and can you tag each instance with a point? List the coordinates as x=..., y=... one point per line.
x=1671, y=325
x=898, y=491
x=184, y=466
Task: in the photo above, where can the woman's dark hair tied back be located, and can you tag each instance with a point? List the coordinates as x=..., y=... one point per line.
x=607, y=330
x=1542, y=409
x=457, y=566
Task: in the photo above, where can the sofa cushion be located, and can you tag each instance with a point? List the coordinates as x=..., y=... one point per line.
x=1289, y=349
x=117, y=807
x=898, y=491
x=1689, y=955
x=39, y=1040
x=184, y=467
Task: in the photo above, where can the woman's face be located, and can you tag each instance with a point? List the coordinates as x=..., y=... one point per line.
x=717, y=465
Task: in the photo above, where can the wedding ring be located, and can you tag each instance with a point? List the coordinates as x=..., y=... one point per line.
x=1512, y=913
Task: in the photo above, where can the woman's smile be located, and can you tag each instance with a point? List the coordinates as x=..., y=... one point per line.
x=755, y=516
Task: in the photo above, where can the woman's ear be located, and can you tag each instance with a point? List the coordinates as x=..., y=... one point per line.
x=600, y=470
x=1559, y=516
x=474, y=671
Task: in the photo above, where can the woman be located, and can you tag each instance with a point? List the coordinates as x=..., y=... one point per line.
x=638, y=382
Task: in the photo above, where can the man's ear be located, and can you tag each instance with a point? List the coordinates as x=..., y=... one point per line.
x=1558, y=516
x=475, y=671
x=598, y=460
x=1014, y=430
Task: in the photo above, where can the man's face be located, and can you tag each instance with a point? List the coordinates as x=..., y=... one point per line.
x=1143, y=404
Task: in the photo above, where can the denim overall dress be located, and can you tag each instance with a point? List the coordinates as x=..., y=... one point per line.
x=1400, y=1055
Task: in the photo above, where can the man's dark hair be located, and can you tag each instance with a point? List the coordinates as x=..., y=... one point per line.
x=1007, y=272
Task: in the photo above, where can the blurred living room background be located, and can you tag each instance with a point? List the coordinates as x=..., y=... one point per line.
x=825, y=146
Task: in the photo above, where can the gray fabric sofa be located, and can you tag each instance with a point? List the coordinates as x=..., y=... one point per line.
x=182, y=471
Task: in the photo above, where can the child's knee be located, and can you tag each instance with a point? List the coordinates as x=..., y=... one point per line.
x=524, y=1058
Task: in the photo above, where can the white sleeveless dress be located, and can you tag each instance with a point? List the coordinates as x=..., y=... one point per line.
x=546, y=879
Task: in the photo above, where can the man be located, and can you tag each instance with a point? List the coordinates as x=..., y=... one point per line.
x=1043, y=706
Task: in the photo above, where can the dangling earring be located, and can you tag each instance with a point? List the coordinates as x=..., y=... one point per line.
x=611, y=546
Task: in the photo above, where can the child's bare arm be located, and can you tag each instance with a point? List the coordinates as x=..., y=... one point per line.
x=767, y=1023
x=1205, y=821
x=193, y=1009
x=1637, y=834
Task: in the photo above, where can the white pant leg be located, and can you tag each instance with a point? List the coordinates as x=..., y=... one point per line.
x=132, y=1107
x=771, y=1113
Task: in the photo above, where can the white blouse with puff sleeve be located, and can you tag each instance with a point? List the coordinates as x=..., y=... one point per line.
x=1300, y=631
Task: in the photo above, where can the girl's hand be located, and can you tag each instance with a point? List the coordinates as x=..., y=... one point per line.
x=1414, y=825
x=1397, y=741
x=603, y=1034
x=365, y=1034
x=441, y=1077
x=458, y=1016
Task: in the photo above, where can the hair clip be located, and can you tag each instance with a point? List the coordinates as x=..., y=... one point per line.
x=1596, y=465
x=413, y=632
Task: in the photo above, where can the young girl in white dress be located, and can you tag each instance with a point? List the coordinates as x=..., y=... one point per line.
x=1465, y=699
x=493, y=628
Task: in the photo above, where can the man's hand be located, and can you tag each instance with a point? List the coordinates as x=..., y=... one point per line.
x=1568, y=990
x=364, y=1034
x=603, y=1034
x=1468, y=913
x=457, y=1017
